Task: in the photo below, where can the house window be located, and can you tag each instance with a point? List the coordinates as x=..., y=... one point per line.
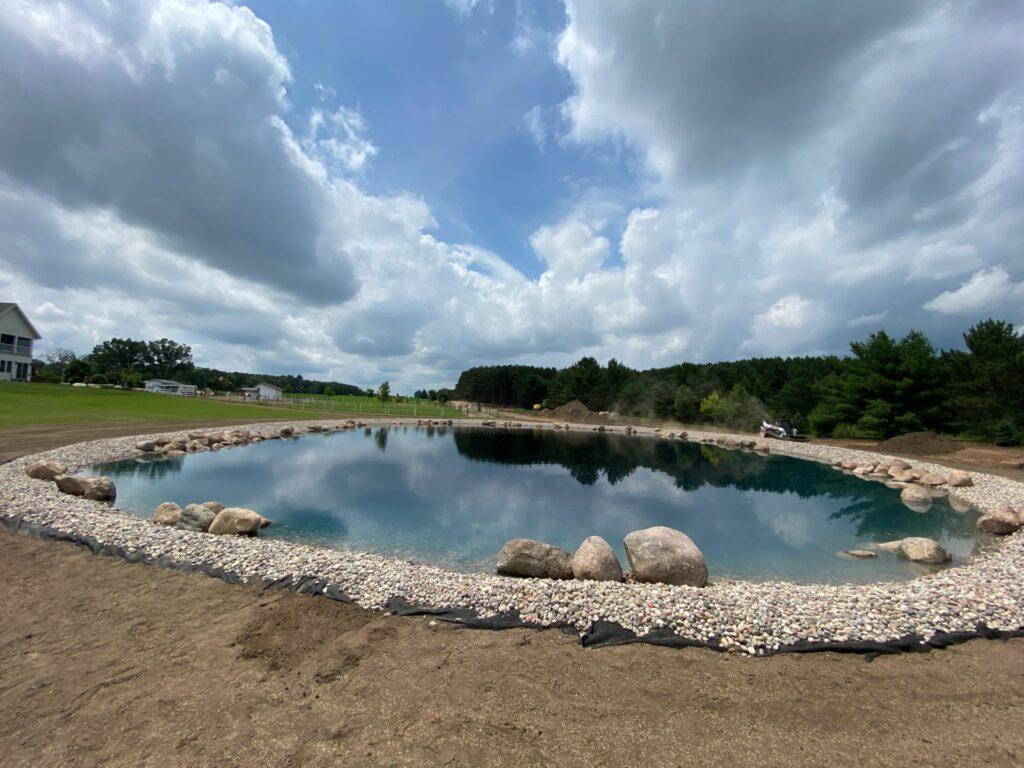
x=21, y=371
x=6, y=338
x=24, y=346
x=5, y=366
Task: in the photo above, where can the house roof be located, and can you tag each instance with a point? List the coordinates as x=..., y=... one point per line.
x=165, y=382
x=7, y=306
x=268, y=384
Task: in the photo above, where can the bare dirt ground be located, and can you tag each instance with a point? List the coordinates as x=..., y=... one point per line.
x=107, y=663
x=103, y=663
x=21, y=441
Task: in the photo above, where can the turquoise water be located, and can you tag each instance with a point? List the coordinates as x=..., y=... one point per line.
x=453, y=496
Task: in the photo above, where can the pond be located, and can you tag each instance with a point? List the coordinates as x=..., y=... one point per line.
x=453, y=496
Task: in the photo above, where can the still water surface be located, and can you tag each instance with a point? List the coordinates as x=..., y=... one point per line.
x=453, y=496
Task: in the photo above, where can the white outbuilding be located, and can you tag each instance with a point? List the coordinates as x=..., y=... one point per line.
x=168, y=387
x=263, y=391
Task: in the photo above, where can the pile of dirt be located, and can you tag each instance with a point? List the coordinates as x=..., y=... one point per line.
x=577, y=413
x=919, y=444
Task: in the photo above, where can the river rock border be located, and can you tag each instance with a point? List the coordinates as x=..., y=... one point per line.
x=981, y=597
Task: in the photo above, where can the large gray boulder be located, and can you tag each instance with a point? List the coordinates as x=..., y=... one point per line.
x=237, y=520
x=666, y=556
x=595, y=561
x=45, y=469
x=167, y=513
x=216, y=506
x=196, y=517
x=100, y=489
x=72, y=484
x=960, y=479
x=917, y=549
x=526, y=557
x=1000, y=522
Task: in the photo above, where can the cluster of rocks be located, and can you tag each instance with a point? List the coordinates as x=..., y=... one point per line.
x=657, y=555
x=94, y=488
x=210, y=517
x=436, y=422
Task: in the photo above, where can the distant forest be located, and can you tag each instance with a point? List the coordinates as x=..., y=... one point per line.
x=129, y=362
x=887, y=386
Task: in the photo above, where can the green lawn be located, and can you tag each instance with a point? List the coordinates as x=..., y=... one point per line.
x=24, y=404
x=372, y=406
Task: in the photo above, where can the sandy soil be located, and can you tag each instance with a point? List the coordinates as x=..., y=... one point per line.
x=106, y=663
x=24, y=440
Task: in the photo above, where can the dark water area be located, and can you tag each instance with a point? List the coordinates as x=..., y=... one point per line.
x=453, y=496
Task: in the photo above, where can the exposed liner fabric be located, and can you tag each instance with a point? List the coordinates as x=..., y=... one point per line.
x=602, y=633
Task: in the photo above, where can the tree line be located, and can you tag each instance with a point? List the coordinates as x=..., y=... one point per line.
x=886, y=386
x=129, y=362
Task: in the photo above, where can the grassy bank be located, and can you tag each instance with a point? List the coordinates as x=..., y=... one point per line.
x=24, y=405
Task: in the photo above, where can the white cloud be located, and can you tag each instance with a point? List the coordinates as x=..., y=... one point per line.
x=983, y=292
x=527, y=36
x=784, y=199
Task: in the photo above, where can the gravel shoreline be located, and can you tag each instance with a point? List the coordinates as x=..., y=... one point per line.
x=982, y=596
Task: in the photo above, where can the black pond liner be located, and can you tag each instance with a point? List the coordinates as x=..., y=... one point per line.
x=601, y=634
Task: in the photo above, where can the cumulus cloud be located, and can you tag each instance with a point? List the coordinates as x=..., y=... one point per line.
x=802, y=170
x=986, y=290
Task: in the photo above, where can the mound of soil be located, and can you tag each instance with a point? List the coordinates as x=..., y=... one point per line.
x=919, y=444
x=576, y=412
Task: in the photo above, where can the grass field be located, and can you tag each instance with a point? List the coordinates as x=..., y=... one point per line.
x=24, y=404
x=373, y=406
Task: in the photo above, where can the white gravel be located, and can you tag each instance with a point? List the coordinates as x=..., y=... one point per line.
x=744, y=616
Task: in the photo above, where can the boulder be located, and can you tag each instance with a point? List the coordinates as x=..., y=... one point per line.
x=526, y=557
x=899, y=464
x=216, y=506
x=45, y=469
x=960, y=504
x=237, y=520
x=860, y=554
x=917, y=549
x=1000, y=522
x=915, y=496
x=196, y=517
x=167, y=513
x=146, y=446
x=960, y=479
x=164, y=440
x=595, y=561
x=100, y=489
x=667, y=556
x=1020, y=514
x=931, y=478
x=849, y=464
x=72, y=484
x=286, y=432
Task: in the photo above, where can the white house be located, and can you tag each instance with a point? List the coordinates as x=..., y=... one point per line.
x=262, y=391
x=16, y=337
x=168, y=387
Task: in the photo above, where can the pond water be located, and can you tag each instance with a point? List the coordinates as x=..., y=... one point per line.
x=453, y=496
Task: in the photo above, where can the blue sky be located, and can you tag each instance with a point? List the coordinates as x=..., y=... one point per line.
x=445, y=97
x=394, y=190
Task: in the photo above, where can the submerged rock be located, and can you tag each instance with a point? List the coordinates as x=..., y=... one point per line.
x=916, y=497
x=860, y=554
x=664, y=555
x=167, y=513
x=526, y=557
x=46, y=469
x=196, y=517
x=237, y=520
x=595, y=561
